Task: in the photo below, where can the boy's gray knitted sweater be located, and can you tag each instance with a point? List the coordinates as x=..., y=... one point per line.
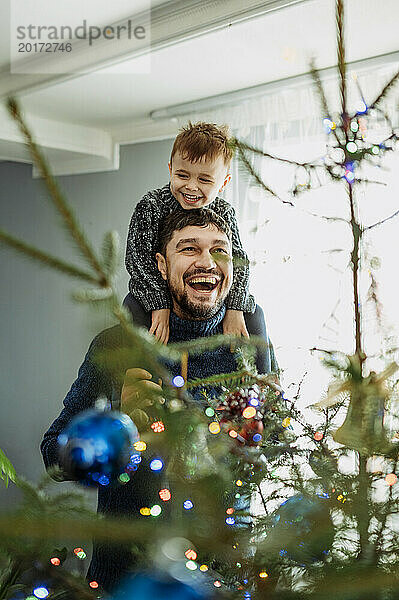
x=146, y=283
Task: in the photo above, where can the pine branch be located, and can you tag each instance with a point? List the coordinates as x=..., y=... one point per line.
x=7, y=470
x=111, y=252
x=111, y=529
x=341, y=56
x=395, y=214
x=56, y=196
x=139, y=339
x=110, y=248
x=249, y=168
x=384, y=92
x=250, y=148
x=223, y=378
x=200, y=345
x=320, y=90
x=44, y=258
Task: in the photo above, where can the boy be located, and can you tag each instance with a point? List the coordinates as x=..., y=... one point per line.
x=199, y=170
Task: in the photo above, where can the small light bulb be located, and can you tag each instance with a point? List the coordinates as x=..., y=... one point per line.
x=155, y=510
x=156, y=464
x=140, y=446
x=391, y=478
x=249, y=412
x=351, y=147
x=214, y=427
x=178, y=381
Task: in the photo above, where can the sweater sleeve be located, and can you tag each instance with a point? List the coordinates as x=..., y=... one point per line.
x=239, y=297
x=90, y=384
x=146, y=283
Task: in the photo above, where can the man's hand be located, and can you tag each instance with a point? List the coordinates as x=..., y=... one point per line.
x=234, y=323
x=138, y=392
x=160, y=324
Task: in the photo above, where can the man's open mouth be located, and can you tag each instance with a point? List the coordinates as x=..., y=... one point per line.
x=205, y=283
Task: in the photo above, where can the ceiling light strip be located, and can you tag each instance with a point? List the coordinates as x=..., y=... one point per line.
x=297, y=81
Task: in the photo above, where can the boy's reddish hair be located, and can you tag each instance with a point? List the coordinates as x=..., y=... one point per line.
x=197, y=140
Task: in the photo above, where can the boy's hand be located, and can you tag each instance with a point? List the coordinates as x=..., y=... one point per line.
x=234, y=323
x=160, y=324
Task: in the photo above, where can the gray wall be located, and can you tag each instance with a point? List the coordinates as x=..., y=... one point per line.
x=43, y=333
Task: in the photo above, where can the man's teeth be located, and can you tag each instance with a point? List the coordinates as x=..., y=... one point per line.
x=211, y=280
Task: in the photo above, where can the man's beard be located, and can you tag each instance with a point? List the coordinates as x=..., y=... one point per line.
x=196, y=311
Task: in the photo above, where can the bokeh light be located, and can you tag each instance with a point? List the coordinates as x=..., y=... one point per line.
x=178, y=381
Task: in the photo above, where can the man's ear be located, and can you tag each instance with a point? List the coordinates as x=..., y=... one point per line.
x=161, y=261
x=227, y=179
x=170, y=168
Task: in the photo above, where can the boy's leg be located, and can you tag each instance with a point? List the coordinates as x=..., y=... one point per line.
x=140, y=316
x=256, y=325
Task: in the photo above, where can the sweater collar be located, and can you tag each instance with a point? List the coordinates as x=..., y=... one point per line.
x=186, y=329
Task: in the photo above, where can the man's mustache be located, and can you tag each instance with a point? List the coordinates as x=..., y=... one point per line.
x=203, y=273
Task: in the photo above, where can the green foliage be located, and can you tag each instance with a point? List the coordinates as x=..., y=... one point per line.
x=111, y=253
x=342, y=542
x=7, y=470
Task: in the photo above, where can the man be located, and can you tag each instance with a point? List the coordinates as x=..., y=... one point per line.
x=195, y=259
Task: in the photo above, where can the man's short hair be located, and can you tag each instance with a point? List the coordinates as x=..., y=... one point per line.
x=179, y=219
x=194, y=141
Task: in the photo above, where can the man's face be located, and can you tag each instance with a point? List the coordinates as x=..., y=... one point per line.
x=198, y=269
x=196, y=184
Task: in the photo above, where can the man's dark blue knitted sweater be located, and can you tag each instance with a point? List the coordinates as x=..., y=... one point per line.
x=110, y=562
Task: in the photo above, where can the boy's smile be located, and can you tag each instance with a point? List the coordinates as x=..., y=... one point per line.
x=196, y=184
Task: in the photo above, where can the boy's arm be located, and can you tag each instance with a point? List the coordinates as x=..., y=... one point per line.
x=146, y=283
x=239, y=297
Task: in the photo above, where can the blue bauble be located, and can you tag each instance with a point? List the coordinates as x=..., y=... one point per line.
x=97, y=447
x=304, y=527
x=143, y=587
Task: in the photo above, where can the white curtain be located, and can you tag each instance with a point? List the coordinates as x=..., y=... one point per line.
x=300, y=261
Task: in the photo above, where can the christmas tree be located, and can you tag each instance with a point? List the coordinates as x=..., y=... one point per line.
x=321, y=529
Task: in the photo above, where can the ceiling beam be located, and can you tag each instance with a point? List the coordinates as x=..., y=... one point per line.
x=171, y=23
x=69, y=148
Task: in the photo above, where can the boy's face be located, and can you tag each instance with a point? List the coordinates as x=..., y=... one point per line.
x=196, y=184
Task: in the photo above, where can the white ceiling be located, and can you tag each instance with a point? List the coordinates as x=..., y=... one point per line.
x=202, y=55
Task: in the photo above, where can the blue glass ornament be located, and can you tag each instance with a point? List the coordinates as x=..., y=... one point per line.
x=144, y=586
x=96, y=447
x=305, y=530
